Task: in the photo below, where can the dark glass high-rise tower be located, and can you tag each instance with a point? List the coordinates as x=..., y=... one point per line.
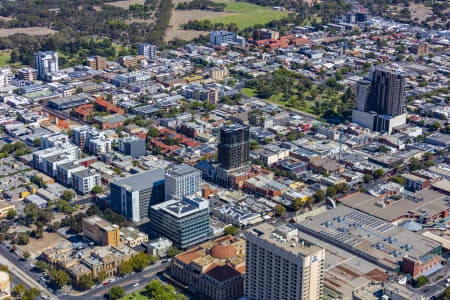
x=233, y=146
x=387, y=92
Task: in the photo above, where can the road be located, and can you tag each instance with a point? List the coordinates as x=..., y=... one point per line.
x=21, y=270
x=128, y=283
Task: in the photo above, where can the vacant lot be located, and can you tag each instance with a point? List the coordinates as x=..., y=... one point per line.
x=242, y=13
x=28, y=30
x=126, y=3
x=36, y=246
x=180, y=17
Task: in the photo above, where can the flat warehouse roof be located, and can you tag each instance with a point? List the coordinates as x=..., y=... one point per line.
x=367, y=236
x=427, y=201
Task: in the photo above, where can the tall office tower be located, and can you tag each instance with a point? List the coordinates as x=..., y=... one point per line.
x=133, y=195
x=46, y=63
x=233, y=146
x=279, y=266
x=387, y=92
x=380, y=100
x=183, y=180
x=147, y=50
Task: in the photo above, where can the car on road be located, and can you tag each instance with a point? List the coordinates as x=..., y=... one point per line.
x=106, y=283
x=136, y=284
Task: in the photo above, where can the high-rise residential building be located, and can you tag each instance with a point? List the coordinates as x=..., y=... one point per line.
x=233, y=153
x=101, y=232
x=280, y=266
x=362, y=95
x=98, y=63
x=133, y=195
x=185, y=222
x=183, y=180
x=387, y=92
x=380, y=100
x=233, y=146
x=46, y=63
x=147, y=50
x=224, y=38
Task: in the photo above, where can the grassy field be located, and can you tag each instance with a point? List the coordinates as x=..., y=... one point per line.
x=4, y=60
x=246, y=14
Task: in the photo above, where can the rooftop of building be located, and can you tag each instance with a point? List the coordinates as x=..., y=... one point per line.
x=114, y=118
x=220, y=259
x=182, y=208
x=426, y=202
x=132, y=233
x=274, y=236
x=97, y=221
x=382, y=241
x=142, y=180
x=181, y=170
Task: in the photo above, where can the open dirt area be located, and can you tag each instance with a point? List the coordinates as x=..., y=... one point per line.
x=126, y=3
x=418, y=10
x=35, y=247
x=6, y=18
x=28, y=30
x=180, y=17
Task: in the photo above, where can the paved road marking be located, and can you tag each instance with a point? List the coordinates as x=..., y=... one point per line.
x=149, y=274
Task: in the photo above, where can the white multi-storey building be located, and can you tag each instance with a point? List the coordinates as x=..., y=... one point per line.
x=147, y=50
x=66, y=152
x=46, y=63
x=51, y=140
x=85, y=180
x=279, y=266
x=183, y=181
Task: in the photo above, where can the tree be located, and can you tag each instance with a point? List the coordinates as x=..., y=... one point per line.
x=398, y=179
x=319, y=196
x=64, y=206
x=68, y=195
x=383, y=149
x=41, y=265
x=153, y=132
x=446, y=295
x=116, y=292
x=367, y=178
x=125, y=268
x=231, y=230
x=173, y=251
x=331, y=191
x=97, y=190
x=157, y=290
x=26, y=255
x=153, y=259
x=139, y=261
x=31, y=294
x=85, y=282
x=58, y=278
x=378, y=173
x=297, y=203
x=37, y=142
x=280, y=210
x=11, y=214
x=101, y=276
x=19, y=289
x=421, y=281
